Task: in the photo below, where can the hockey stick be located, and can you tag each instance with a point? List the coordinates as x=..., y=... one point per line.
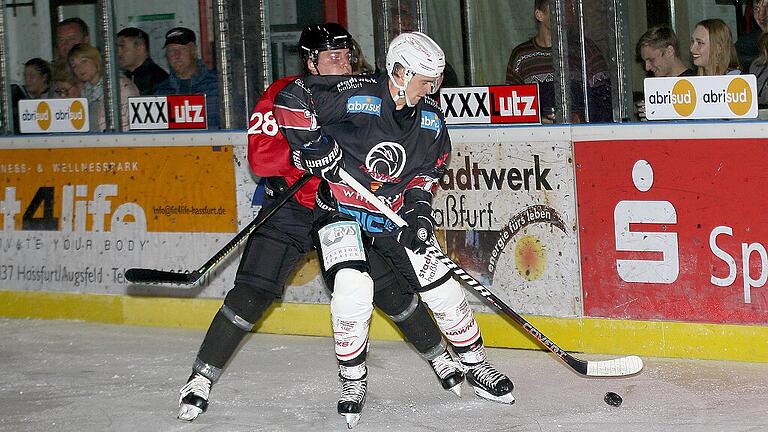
x=623, y=366
x=143, y=275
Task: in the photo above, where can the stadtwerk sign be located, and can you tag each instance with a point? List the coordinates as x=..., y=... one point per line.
x=701, y=97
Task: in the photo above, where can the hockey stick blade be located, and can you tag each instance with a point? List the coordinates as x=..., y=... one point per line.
x=142, y=275
x=606, y=368
x=151, y=276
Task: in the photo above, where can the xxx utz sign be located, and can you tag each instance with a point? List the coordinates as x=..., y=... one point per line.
x=491, y=104
x=167, y=112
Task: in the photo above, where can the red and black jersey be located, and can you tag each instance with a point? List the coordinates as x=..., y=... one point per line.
x=268, y=150
x=389, y=151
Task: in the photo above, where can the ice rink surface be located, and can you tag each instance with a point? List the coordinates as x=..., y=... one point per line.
x=74, y=376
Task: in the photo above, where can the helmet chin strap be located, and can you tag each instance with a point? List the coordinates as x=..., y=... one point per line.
x=401, y=94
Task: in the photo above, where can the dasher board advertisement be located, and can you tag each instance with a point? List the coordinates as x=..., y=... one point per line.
x=674, y=229
x=491, y=104
x=53, y=115
x=73, y=219
x=701, y=97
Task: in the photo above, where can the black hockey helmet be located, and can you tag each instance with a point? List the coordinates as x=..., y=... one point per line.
x=325, y=37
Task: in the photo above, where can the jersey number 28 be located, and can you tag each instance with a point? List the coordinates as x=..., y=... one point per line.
x=263, y=123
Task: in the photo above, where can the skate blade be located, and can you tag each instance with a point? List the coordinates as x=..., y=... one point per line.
x=188, y=412
x=505, y=399
x=456, y=389
x=352, y=419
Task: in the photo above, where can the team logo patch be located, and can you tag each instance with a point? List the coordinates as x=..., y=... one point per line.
x=430, y=120
x=385, y=162
x=364, y=105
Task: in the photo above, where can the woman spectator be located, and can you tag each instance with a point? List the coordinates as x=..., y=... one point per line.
x=65, y=85
x=85, y=62
x=37, y=79
x=713, y=49
x=759, y=69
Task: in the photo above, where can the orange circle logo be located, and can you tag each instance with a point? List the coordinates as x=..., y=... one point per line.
x=683, y=98
x=77, y=115
x=739, y=96
x=530, y=258
x=43, y=115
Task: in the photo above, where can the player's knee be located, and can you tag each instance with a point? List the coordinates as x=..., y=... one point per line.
x=447, y=296
x=396, y=304
x=352, y=295
x=247, y=303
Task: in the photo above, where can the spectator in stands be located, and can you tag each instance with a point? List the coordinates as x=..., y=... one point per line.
x=133, y=57
x=659, y=50
x=531, y=62
x=713, y=49
x=85, y=62
x=69, y=33
x=359, y=65
x=65, y=85
x=188, y=74
x=760, y=12
x=37, y=79
x=37, y=85
x=759, y=69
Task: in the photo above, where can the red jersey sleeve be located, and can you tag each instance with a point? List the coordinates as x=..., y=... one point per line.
x=268, y=150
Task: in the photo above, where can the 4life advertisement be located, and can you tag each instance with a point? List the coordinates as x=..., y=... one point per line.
x=73, y=219
x=506, y=209
x=674, y=229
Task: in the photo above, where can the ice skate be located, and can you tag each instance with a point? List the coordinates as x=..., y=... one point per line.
x=489, y=383
x=449, y=372
x=353, y=390
x=193, y=399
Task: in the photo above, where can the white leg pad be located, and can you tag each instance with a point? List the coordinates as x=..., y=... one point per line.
x=351, y=308
x=452, y=313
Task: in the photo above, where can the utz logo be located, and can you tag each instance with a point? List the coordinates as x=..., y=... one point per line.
x=430, y=120
x=364, y=105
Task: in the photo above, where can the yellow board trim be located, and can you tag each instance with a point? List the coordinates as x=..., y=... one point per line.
x=587, y=335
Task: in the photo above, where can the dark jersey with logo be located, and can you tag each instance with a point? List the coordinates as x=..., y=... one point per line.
x=388, y=151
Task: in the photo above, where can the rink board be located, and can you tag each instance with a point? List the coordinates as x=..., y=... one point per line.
x=507, y=212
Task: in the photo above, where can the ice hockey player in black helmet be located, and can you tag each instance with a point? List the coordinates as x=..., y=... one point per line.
x=325, y=37
x=274, y=250
x=390, y=137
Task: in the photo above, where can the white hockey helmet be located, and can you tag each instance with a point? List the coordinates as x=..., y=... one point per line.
x=417, y=53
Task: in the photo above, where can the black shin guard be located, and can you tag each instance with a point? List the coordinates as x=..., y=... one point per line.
x=228, y=327
x=421, y=331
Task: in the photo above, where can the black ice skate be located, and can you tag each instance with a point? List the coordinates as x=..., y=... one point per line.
x=193, y=399
x=353, y=389
x=490, y=383
x=448, y=371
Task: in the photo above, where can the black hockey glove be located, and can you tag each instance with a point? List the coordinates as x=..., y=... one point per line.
x=323, y=158
x=421, y=226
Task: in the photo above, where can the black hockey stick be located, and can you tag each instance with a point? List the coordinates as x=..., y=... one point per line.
x=623, y=366
x=143, y=275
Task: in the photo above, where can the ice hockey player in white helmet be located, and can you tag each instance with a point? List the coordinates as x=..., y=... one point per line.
x=416, y=53
x=387, y=134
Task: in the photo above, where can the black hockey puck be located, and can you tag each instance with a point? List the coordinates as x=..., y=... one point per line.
x=613, y=399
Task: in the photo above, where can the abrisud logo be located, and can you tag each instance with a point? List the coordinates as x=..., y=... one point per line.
x=683, y=98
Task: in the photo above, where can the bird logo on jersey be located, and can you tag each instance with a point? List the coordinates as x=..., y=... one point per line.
x=385, y=162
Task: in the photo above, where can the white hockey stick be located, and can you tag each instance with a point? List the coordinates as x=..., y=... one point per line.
x=623, y=366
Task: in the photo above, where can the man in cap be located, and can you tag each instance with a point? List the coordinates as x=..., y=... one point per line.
x=188, y=73
x=134, y=59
